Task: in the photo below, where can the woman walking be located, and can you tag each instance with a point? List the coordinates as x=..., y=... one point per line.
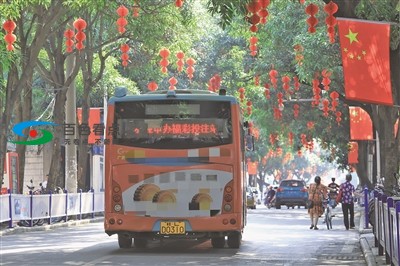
x=316, y=193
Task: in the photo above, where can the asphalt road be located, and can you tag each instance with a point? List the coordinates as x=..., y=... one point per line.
x=271, y=237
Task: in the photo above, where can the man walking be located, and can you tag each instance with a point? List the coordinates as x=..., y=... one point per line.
x=347, y=190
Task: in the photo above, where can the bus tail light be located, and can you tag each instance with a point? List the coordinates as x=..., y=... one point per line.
x=119, y=221
x=227, y=205
x=117, y=197
x=233, y=221
x=111, y=221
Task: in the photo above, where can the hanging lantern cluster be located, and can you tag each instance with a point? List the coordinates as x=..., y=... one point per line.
x=178, y=3
x=190, y=69
x=122, y=12
x=335, y=99
x=338, y=116
x=285, y=83
x=280, y=100
x=290, y=138
x=249, y=107
x=312, y=21
x=299, y=152
x=180, y=63
x=253, y=45
x=316, y=92
x=69, y=43
x=214, y=83
x=164, y=53
x=241, y=94
x=277, y=113
x=124, y=56
x=80, y=36
x=331, y=8
x=263, y=12
x=299, y=57
x=172, y=82
x=310, y=125
x=273, y=78
x=9, y=26
x=256, y=80
x=135, y=9
x=310, y=145
x=266, y=91
x=296, y=83
x=296, y=110
x=253, y=8
x=303, y=139
x=325, y=108
x=273, y=137
x=152, y=86
x=326, y=79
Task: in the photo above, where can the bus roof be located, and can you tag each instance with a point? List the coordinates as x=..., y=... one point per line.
x=174, y=94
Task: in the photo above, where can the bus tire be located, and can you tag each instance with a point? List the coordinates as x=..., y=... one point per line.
x=234, y=240
x=124, y=241
x=140, y=242
x=218, y=242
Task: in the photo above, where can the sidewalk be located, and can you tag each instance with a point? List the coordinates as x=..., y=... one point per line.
x=21, y=229
x=367, y=241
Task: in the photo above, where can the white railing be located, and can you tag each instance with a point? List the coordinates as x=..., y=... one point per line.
x=17, y=207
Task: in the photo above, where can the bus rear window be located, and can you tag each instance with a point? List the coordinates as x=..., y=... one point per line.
x=172, y=124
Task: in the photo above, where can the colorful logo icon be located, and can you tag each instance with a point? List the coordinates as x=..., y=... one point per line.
x=33, y=133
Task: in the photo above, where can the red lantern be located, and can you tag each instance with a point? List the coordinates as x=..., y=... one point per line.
x=303, y=138
x=178, y=3
x=257, y=80
x=69, y=43
x=316, y=91
x=172, y=82
x=331, y=8
x=266, y=91
x=325, y=103
x=335, y=100
x=338, y=117
x=253, y=45
x=124, y=56
x=164, y=53
x=296, y=83
x=285, y=81
x=190, y=68
x=249, y=107
x=180, y=63
x=290, y=137
x=310, y=125
x=296, y=110
x=152, y=86
x=135, y=10
x=80, y=36
x=326, y=79
x=312, y=21
x=9, y=26
x=122, y=12
x=241, y=94
x=254, y=7
x=272, y=76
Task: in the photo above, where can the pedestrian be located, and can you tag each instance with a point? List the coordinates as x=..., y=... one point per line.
x=347, y=190
x=316, y=193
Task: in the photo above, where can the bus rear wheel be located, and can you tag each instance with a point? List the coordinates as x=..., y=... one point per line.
x=218, y=242
x=140, y=242
x=124, y=241
x=234, y=239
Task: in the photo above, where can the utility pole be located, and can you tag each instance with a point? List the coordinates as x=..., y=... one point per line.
x=71, y=183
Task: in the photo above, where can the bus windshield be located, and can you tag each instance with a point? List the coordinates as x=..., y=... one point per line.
x=173, y=124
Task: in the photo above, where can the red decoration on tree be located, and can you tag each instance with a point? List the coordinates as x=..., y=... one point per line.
x=303, y=139
x=190, y=69
x=312, y=21
x=266, y=91
x=272, y=76
x=263, y=12
x=310, y=125
x=180, y=63
x=135, y=10
x=290, y=137
x=316, y=92
x=257, y=80
x=338, y=116
x=122, y=12
x=124, y=56
x=299, y=57
x=9, y=26
x=296, y=110
x=302, y=1
x=69, y=43
x=285, y=85
x=164, y=53
x=80, y=36
x=178, y=3
x=331, y=8
x=325, y=108
x=172, y=82
x=241, y=93
x=249, y=107
x=335, y=99
x=280, y=100
x=253, y=7
x=326, y=79
x=214, y=83
x=273, y=137
x=277, y=113
x=253, y=45
x=152, y=86
x=296, y=83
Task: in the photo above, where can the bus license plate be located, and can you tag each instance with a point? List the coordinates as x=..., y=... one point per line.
x=172, y=228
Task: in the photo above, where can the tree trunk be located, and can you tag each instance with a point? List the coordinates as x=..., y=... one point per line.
x=83, y=147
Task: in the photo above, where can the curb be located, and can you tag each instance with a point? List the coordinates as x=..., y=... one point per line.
x=21, y=229
x=365, y=247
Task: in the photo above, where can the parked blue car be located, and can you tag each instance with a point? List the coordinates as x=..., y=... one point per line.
x=291, y=193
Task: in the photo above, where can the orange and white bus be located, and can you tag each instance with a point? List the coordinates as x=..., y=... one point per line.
x=174, y=168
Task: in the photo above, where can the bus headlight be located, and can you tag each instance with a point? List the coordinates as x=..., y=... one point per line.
x=117, y=207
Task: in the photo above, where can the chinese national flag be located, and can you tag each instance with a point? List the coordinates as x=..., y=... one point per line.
x=353, y=153
x=360, y=124
x=366, y=62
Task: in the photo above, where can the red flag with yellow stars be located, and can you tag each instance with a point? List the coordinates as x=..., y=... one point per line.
x=360, y=124
x=352, y=157
x=366, y=62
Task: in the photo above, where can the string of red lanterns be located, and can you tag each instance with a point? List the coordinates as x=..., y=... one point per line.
x=152, y=86
x=190, y=69
x=69, y=43
x=9, y=26
x=172, y=82
x=312, y=21
x=253, y=8
x=164, y=53
x=266, y=91
x=124, y=56
x=241, y=94
x=249, y=107
x=122, y=12
x=331, y=8
x=180, y=63
x=263, y=12
x=253, y=45
x=80, y=36
x=326, y=79
x=272, y=77
x=136, y=9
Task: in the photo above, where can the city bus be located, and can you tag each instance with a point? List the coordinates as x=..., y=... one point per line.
x=174, y=167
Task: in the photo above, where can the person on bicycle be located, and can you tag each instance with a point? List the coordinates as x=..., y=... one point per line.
x=333, y=192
